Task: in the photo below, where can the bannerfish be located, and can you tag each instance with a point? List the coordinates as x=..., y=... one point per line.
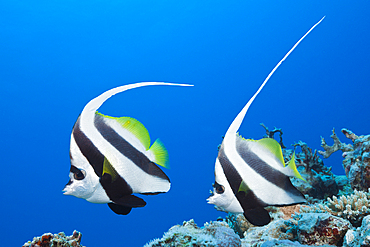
x=111, y=157
x=251, y=174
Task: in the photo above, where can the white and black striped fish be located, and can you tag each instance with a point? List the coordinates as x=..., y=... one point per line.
x=111, y=158
x=250, y=175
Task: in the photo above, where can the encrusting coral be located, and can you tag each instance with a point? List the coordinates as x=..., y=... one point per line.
x=213, y=234
x=356, y=161
x=56, y=240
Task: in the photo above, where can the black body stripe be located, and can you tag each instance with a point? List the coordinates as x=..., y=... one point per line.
x=266, y=171
x=88, y=149
x=115, y=189
x=249, y=200
x=125, y=148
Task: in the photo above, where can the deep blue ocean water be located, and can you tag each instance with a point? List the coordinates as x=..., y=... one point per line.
x=55, y=56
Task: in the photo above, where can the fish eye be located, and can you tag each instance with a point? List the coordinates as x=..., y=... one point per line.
x=79, y=174
x=219, y=188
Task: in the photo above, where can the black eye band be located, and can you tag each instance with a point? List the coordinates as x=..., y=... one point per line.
x=79, y=174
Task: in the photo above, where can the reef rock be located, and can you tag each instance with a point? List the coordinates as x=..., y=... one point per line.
x=278, y=229
x=56, y=240
x=356, y=161
x=213, y=234
x=321, y=228
x=359, y=237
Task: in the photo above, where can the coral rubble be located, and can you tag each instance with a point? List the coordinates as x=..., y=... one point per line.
x=213, y=234
x=56, y=240
x=356, y=161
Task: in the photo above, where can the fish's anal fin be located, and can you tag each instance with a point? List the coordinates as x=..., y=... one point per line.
x=274, y=147
x=293, y=167
x=160, y=154
x=119, y=209
x=130, y=201
x=134, y=126
x=257, y=216
x=109, y=169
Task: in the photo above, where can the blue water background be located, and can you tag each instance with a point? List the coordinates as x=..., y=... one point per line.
x=55, y=56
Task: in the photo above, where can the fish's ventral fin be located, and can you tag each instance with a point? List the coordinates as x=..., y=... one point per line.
x=119, y=209
x=235, y=125
x=257, y=216
x=160, y=154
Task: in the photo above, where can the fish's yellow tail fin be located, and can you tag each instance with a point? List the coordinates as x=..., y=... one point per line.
x=160, y=153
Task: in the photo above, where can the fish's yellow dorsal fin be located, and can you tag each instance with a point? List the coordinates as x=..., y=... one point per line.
x=274, y=147
x=293, y=167
x=108, y=168
x=134, y=126
x=137, y=129
x=160, y=154
x=243, y=187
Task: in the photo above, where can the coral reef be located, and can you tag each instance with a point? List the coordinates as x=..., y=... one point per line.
x=337, y=212
x=321, y=228
x=352, y=207
x=359, y=237
x=321, y=182
x=213, y=234
x=356, y=161
x=278, y=229
x=56, y=240
x=271, y=133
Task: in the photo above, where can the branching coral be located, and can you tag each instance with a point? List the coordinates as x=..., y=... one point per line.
x=271, y=133
x=338, y=145
x=352, y=207
x=321, y=181
x=356, y=161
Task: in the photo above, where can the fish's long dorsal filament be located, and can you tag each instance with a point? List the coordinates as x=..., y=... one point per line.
x=235, y=125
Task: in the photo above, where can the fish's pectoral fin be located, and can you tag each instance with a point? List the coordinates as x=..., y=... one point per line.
x=160, y=154
x=292, y=166
x=119, y=209
x=257, y=216
x=243, y=187
x=109, y=169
